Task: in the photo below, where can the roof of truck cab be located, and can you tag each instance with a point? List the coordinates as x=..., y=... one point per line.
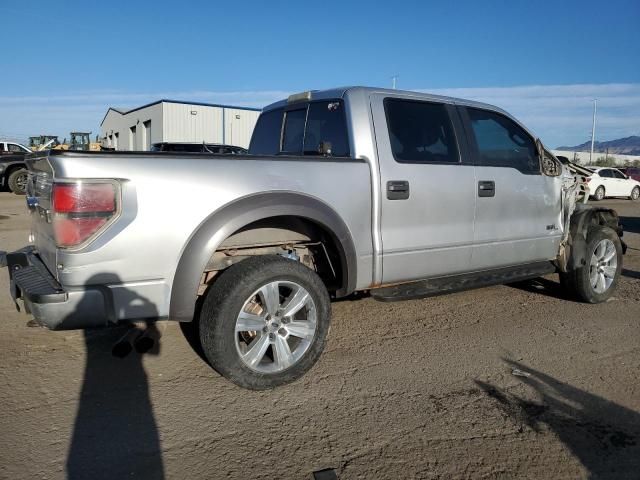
x=341, y=92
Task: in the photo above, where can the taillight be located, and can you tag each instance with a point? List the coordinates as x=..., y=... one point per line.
x=81, y=210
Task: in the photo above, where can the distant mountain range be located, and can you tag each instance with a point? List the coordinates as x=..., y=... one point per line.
x=622, y=146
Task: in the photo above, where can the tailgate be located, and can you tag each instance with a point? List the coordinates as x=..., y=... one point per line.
x=39, y=201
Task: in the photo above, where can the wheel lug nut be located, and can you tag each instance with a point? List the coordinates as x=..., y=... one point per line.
x=272, y=336
x=285, y=320
x=282, y=331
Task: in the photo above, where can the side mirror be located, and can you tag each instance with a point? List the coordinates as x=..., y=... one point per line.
x=551, y=166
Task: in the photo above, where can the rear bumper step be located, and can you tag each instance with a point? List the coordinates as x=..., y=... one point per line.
x=457, y=283
x=30, y=279
x=49, y=302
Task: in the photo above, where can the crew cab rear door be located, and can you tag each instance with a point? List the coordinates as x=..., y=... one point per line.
x=427, y=188
x=518, y=210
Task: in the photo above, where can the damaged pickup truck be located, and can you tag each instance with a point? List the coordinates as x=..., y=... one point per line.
x=400, y=194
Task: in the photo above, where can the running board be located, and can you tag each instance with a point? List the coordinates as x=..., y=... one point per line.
x=458, y=283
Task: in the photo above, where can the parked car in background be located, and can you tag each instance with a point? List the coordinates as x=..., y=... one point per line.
x=632, y=172
x=13, y=171
x=611, y=182
x=198, y=148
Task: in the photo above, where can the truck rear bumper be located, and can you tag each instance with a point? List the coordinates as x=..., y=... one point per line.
x=51, y=304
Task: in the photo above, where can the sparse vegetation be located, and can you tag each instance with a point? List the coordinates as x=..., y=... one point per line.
x=606, y=162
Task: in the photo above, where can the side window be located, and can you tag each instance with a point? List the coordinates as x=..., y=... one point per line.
x=606, y=173
x=293, y=133
x=266, y=135
x=326, y=123
x=618, y=174
x=2, y=147
x=420, y=132
x=14, y=148
x=502, y=143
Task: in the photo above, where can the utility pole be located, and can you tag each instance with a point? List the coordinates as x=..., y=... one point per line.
x=393, y=81
x=593, y=130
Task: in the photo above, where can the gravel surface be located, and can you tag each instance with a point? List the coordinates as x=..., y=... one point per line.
x=502, y=382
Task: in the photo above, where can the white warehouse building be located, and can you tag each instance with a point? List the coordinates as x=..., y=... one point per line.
x=175, y=121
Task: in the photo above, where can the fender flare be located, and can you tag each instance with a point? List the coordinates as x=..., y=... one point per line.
x=10, y=165
x=230, y=218
x=581, y=221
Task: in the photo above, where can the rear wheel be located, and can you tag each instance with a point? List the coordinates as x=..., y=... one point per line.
x=18, y=181
x=264, y=322
x=596, y=280
x=599, y=194
x=635, y=193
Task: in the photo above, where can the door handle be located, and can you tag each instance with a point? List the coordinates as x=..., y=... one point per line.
x=486, y=188
x=397, y=189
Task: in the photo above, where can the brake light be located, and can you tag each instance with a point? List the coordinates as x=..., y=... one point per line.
x=81, y=210
x=84, y=197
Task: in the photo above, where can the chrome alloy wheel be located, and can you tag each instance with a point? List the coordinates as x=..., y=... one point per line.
x=603, y=266
x=275, y=327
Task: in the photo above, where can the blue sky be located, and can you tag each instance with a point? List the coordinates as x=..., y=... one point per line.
x=65, y=63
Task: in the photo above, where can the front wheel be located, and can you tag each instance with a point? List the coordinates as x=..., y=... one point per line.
x=596, y=280
x=635, y=193
x=264, y=322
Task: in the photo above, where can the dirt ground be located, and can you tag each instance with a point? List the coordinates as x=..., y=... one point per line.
x=417, y=389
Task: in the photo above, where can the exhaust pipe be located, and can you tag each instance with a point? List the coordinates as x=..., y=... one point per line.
x=124, y=346
x=145, y=342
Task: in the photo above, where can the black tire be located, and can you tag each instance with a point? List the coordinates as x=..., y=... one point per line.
x=18, y=181
x=577, y=283
x=599, y=193
x=224, y=301
x=635, y=193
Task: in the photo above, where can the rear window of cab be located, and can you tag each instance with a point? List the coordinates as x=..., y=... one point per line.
x=305, y=129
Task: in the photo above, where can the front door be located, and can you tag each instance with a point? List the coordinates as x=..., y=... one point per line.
x=428, y=189
x=622, y=187
x=518, y=213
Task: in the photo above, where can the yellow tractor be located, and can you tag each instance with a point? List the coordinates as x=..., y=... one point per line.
x=82, y=141
x=77, y=141
x=42, y=142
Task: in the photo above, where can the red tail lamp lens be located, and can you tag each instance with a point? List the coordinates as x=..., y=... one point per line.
x=84, y=197
x=73, y=231
x=81, y=210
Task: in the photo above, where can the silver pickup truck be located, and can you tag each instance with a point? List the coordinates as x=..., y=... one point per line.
x=400, y=194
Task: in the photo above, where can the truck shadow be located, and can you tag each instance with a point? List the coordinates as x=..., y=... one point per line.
x=630, y=273
x=630, y=224
x=115, y=434
x=603, y=435
x=542, y=286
